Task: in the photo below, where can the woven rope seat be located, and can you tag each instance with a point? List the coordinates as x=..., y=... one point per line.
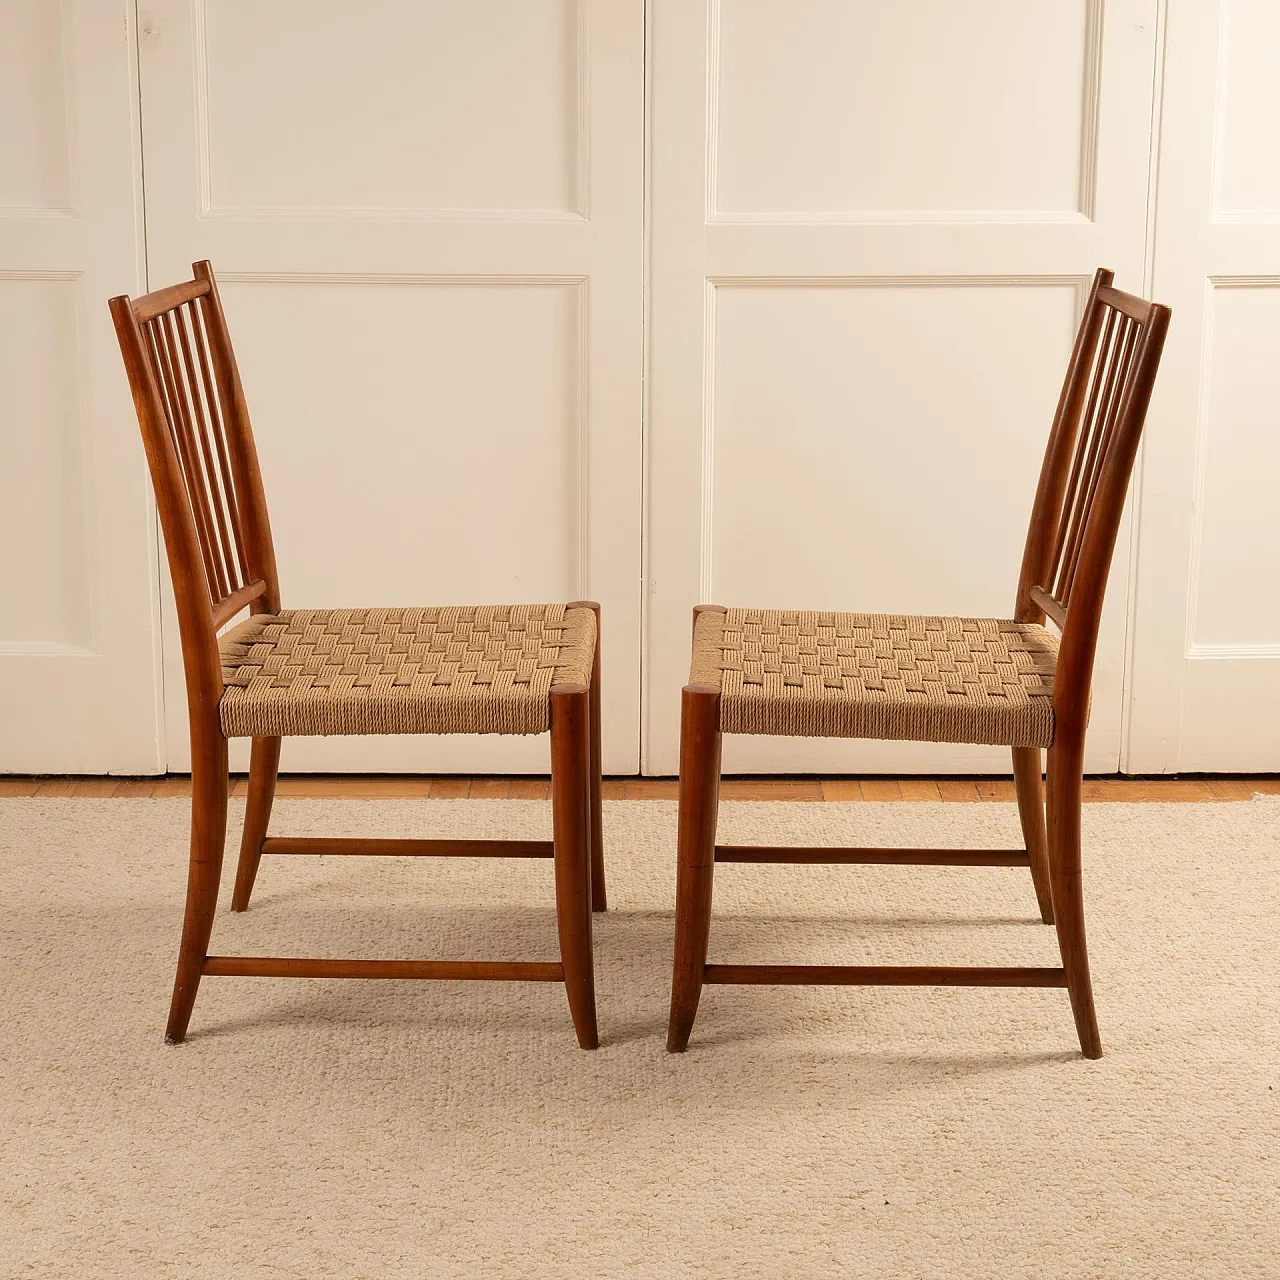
x=861, y=675
x=487, y=669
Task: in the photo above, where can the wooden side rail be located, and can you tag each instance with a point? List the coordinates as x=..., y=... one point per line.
x=875, y=857
x=853, y=975
x=410, y=848
x=448, y=970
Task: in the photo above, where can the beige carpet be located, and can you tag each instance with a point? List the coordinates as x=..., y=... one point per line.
x=393, y=1129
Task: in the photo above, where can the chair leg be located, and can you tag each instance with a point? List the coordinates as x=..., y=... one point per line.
x=1065, y=785
x=1029, y=784
x=599, y=901
x=264, y=764
x=699, y=801
x=208, y=835
x=571, y=818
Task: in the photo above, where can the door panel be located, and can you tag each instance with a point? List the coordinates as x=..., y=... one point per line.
x=1206, y=677
x=865, y=281
x=79, y=654
x=430, y=246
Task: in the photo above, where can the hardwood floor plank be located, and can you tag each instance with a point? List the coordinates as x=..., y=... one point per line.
x=320, y=786
x=1263, y=786
x=455, y=788
x=842, y=789
x=56, y=788
x=1231, y=788
x=998, y=789
x=652, y=789
x=489, y=789
x=175, y=785
x=529, y=789
x=955, y=790
x=770, y=789
x=919, y=789
x=95, y=788
x=881, y=789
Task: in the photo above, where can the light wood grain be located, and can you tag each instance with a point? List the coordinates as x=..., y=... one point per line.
x=450, y=788
x=842, y=789
x=881, y=789
x=529, y=789
x=1109, y=790
x=771, y=789
x=920, y=789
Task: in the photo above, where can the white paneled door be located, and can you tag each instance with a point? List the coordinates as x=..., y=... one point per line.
x=648, y=301
x=1206, y=687
x=427, y=223
x=873, y=226
x=79, y=634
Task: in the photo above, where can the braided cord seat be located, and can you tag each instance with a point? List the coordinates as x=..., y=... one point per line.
x=487, y=669
x=860, y=675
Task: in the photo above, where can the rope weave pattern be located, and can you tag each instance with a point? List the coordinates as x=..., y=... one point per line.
x=860, y=675
x=450, y=670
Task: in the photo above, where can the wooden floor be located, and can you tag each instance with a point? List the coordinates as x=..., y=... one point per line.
x=962, y=790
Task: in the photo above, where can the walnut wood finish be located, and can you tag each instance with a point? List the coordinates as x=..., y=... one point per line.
x=1066, y=560
x=700, y=741
x=342, y=846
x=437, y=970
x=1029, y=790
x=873, y=857
x=571, y=821
x=213, y=511
x=599, y=900
x=264, y=767
x=887, y=975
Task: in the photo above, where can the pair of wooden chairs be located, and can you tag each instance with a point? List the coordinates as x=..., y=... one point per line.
x=529, y=669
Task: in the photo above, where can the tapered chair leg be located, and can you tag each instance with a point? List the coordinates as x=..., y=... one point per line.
x=1065, y=785
x=1029, y=784
x=599, y=901
x=264, y=765
x=571, y=821
x=208, y=835
x=696, y=851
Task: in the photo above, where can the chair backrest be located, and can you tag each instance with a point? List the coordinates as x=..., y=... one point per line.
x=1085, y=478
x=204, y=466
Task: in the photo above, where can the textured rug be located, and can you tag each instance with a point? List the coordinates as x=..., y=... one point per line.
x=397, y=1129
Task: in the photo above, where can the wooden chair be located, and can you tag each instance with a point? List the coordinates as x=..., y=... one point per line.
x=1003, y=682
x=522, y=669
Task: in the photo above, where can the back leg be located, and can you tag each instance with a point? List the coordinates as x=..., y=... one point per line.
x=264, y=765
x=599, y=902
x=1029, y=784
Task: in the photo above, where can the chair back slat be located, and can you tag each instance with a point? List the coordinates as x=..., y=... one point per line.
x=192, y=427
x=1061, y=530
x=177, y=410
x=203, y=462
x=1085, y=476
x=1113, y=368
x=218, y=430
